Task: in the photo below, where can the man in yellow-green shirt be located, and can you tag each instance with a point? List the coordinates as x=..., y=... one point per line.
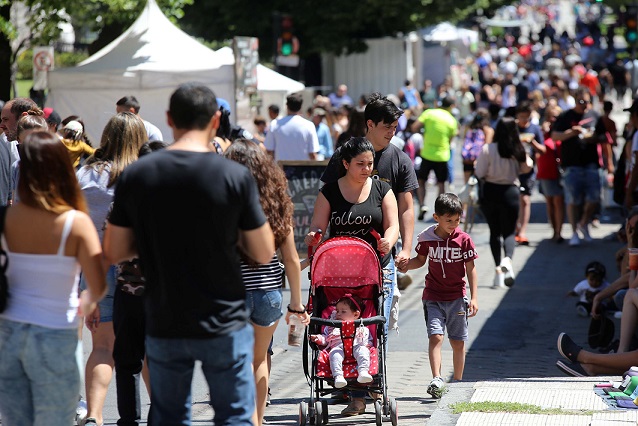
x=440, y=127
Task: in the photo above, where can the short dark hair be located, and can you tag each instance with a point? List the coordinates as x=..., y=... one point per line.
x=381, y=109
x=192, y=106
x=294, y=102
x=273, y=108
x=524, y=107
x=448, y=101
x=129, y=102
x=22, y=105
x=608, y=106
x=448, y=203
x=54, y=119
x=152, y=146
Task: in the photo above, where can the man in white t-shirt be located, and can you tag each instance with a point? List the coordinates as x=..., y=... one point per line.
x=292, y=137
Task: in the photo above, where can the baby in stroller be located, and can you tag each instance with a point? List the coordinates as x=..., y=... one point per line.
x=347, y=308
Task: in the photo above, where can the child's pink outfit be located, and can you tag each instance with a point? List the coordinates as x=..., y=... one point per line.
x=331, y=338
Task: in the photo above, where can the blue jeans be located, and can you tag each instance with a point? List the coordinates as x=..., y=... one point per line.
x=389, y=281
x=106, y=304
x=39, y=376
x=226, y=364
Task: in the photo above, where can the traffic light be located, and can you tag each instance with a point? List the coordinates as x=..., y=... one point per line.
x=287, y=46
x=631, y=24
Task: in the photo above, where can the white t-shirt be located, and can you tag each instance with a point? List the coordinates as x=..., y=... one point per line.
x=583, y=287
x=292, y=138
x=154, y=134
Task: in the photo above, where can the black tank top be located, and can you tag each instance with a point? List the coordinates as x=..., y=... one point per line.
x=355, y=220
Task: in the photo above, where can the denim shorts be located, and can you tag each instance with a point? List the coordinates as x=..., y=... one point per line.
x=581, y=184
x=451, y=315
x=39, y=377
x=106, y=304
x=551, y=187
x=264, y=306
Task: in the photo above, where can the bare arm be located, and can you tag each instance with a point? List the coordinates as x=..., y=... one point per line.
x=312, y=155
x=258, y=243
x=119, y=244
x=89, y=256
x=621, y=283
x=406, y=225
x=416, y=126
x=414, y=263
x=290, y=259
x=472, y=280
x=390, y=223
x=320, y=218
x=567, y=134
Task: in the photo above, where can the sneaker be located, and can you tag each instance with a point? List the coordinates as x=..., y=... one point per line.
x=424, y=210
x=89, y=421
x=340, y=382
x=508, y=271
x=574, y=240
x=573, y=369
x=435, y=389
x=582, y=311
x=585, y=231
x=499, y=280
x=567, y=348
x=268, y=397
x=364, y=377
x=81, y=411
x=403, y=281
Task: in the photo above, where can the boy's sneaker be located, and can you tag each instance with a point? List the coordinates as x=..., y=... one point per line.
x=435, y=389
x=403, y=281
x=508, y=272
x=364, y=377
x=340, y=382
x=89, y=421
x=499, y=280
x=424, y=210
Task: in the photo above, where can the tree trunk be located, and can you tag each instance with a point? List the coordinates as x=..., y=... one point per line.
x=5, y=57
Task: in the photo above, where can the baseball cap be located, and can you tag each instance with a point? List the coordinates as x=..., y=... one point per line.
x=319, y=111
x=75, y=127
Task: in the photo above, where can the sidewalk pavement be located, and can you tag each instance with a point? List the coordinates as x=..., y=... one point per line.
x=511, y=352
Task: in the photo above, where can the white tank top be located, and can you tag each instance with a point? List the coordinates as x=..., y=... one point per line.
x=43, y=288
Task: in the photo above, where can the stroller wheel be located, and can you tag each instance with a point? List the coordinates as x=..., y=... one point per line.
x=319, y=416
x=303, y=409
x=394, y=414
x=378, y=413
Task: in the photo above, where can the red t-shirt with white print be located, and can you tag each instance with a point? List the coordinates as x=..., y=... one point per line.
x=446, y=257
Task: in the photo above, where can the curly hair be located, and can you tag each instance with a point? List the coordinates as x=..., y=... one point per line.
x=272, y=184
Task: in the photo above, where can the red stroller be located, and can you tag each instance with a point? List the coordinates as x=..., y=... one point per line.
x=339, y=266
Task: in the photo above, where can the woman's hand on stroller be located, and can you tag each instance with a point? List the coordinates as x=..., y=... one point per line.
x=383, y=246
x=313, y=238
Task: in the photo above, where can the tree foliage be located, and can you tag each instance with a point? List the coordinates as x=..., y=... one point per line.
x=330, y=27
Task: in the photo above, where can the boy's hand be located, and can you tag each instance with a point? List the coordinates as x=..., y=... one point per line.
x=472, y=309
x=403, y=267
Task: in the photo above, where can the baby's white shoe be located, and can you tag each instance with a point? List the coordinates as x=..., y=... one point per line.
x=364, y=377
x=340, y=382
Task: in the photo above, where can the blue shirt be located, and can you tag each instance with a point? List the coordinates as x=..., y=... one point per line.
x=325, y=140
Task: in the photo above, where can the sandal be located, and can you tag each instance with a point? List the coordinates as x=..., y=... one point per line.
x=355, y=408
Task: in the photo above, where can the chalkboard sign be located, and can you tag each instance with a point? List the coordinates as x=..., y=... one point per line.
x=303, y=186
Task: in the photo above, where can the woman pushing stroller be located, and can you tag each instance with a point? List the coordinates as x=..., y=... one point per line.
x=357, y=205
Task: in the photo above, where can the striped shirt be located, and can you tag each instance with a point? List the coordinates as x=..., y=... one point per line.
x=263, y=277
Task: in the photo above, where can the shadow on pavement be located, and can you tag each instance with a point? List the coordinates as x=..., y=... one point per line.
x=519, y=339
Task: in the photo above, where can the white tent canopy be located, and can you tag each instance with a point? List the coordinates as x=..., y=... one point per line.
x=149, y=60
x=445, y=32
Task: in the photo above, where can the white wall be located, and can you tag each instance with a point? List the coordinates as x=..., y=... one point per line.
x=383, y=68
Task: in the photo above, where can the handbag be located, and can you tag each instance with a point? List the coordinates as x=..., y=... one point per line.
x=4, y=262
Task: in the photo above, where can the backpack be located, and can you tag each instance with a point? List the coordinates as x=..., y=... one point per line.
x=474, y=141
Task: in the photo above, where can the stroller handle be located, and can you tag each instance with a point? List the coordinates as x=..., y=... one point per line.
x=311, y=248
x=337, y=323
x=376, y=235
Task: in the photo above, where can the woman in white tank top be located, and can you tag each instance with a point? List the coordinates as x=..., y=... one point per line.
x=48, y=237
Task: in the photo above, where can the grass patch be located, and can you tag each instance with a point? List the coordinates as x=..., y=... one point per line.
x=23, y=87
x=511, y=407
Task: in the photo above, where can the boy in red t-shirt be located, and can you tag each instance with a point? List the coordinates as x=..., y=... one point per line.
x=450, y=254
